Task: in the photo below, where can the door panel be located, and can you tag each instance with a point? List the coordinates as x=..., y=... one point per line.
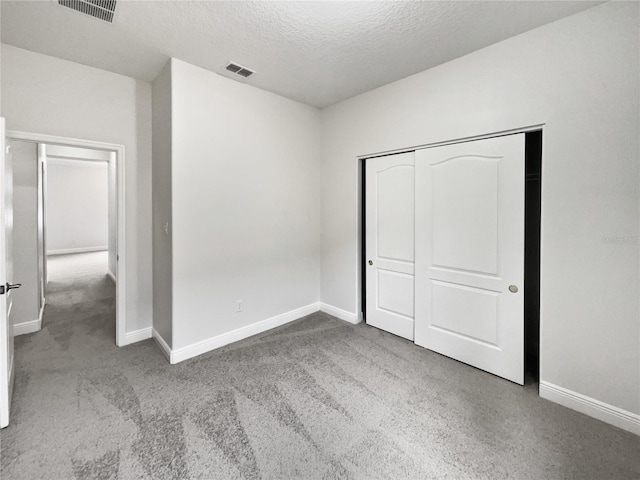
x=469, y=221
x=395, y=292
x=6, y=272
x=468, y=312
x=394, y=207
x=390, y=217
x=463, y=237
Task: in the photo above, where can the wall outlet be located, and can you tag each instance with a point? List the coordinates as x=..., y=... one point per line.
x=166, y=228
x=239, y=306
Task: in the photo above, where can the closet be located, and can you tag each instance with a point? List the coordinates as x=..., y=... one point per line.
x=445, y=250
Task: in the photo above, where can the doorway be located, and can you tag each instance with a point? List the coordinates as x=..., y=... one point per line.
x=488, y=328
x=79, y=225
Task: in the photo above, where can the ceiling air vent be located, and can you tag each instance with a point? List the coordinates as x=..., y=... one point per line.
x=102, y=9
x=239, y=70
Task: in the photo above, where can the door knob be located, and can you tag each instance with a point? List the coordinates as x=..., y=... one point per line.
x=513, y=289
x=9, y=286
x=370, y=262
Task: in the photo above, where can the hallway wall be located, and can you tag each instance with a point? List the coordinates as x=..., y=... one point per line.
x=47, y=95
x=26, y=299
x=77, y=206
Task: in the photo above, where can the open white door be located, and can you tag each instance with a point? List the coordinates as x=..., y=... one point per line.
x=470, y=253
x=6, y=271
x=389, y=243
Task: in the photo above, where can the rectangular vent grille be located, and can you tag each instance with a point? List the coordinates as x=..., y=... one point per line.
x=239, y=70
x=102, y=9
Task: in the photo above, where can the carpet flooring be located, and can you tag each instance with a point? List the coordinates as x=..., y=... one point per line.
x=315, y=399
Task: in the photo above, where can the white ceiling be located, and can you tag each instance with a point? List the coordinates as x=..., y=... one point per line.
x=318, y=53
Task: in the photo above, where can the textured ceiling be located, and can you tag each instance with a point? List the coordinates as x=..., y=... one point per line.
x=318, y=53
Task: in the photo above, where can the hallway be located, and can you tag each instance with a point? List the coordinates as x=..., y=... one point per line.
x=79, y=313
x=79, y=283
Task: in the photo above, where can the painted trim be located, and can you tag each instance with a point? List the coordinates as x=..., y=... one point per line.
x=121, y=243
x=113, y=277
x=31, y=326
x=164, y=348
x=590, y=406
x=340, y=313
x=65, y=251
x=77, y=162
x=137, y=336
x=23, y=328
x=204, y=346
x=77, y=153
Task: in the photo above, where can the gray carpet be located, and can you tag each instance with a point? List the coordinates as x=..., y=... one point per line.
x=317, y=398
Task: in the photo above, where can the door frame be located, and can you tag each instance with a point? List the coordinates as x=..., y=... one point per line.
x=42, y=217
x=120, y=209
x=360, y=166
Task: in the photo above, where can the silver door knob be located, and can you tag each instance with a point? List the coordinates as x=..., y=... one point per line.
x=370, y=262
x=513, y=289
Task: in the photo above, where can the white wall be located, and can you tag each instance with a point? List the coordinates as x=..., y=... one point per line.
x=47, y=95
x=78, y=153
x=162, y=245
x=246, y=204
x=77, y=206
x=580, y=77
x=26, y=300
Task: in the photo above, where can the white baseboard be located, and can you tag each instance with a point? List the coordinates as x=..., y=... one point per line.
x=113, y=277
x=27, y=327
x=339, y=313
x=136, y=336
x=204, y=346
x=31, y=326
x=164, y=348
x=590, y=406
x=65, y=251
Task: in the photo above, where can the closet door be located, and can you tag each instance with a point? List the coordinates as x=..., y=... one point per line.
x=389, y=227
x=469, y=253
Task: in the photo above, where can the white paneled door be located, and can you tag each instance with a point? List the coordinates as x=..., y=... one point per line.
x=6, y=270
x=469, y=253
x=389, y=230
